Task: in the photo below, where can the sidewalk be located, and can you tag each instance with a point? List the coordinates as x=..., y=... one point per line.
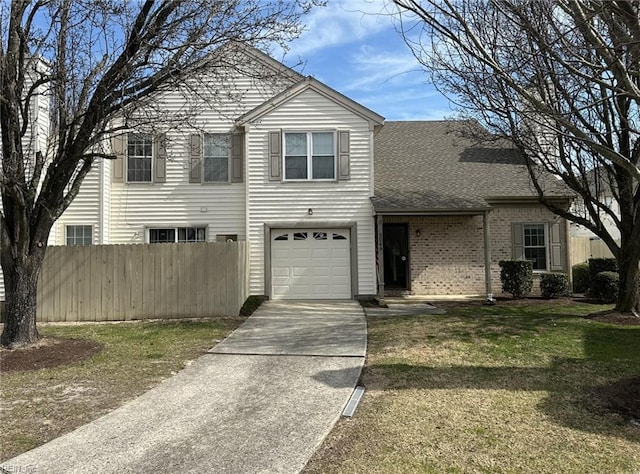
x=260, y=402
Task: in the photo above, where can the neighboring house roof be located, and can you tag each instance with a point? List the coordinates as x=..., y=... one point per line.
x=427, y=167
x=309, y=83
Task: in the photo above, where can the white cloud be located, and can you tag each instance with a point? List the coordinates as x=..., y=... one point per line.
x=374, y=68
x=340, y=22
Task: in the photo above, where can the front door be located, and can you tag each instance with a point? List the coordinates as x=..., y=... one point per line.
x=396, y=256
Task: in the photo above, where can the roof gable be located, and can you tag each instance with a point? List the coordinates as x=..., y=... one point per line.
x=309, y=83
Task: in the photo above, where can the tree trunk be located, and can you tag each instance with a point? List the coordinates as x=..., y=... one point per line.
x=629, y=296
x=21, y=284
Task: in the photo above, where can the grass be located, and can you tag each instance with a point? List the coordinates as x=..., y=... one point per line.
x=489, y=389
x=37, y=406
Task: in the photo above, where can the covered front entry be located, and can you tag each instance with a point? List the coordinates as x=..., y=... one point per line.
x=433, y=254
x=310, y=264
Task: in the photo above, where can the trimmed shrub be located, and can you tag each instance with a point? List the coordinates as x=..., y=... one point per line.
x=581, y=278
x=598, y=265
x=516, y=277
x=553, y=285
x=605, y=287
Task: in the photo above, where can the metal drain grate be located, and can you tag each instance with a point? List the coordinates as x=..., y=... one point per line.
x=356, y=396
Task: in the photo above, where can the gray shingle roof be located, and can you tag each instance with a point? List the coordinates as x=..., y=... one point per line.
x=431, y=166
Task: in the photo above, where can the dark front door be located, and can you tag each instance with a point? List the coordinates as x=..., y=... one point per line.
x=396, y=256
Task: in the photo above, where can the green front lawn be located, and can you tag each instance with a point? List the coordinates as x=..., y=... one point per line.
x=490, y=389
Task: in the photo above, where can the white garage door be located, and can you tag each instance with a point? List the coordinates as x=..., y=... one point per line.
x=310, y=264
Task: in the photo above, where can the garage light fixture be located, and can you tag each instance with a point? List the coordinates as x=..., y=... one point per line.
x=310, y=211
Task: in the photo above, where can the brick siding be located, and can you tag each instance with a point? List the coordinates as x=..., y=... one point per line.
x=447, y=257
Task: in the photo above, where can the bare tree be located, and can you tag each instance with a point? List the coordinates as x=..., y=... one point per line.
x=97, y=61
x=561, y=79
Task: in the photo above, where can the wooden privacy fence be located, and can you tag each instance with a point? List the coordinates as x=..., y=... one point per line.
x=584, y=248
x=123, y=282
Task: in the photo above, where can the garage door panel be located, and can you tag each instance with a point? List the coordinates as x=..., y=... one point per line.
x=321, y=253
x=281, y=272
x=310, y=264
x=340, y=254
x=340, y=271
x=300, y=252
x=298, y=272
x=320, y=271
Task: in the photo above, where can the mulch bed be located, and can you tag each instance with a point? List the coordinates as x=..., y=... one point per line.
x=46, y=353
x=622, y=397
x=614, y=317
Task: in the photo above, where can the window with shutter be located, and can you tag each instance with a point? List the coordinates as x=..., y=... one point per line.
x=309, y=156
x=216, y=158
x=540, y=243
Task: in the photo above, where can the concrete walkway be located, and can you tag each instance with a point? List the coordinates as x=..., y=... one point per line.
x=260, y=402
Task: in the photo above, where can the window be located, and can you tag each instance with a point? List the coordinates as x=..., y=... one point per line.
x=139, y=158
x=227, y=238
x=180, y=234
x=217, y=148
x=79, y=235
x=309, y=155
x=535, y=248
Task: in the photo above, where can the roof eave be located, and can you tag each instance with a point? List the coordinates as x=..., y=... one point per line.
x=431, y=212
x=525, y=199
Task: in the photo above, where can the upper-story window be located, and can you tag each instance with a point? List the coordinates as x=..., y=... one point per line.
x=217, y=151
x=139, y=157
x=309, y=156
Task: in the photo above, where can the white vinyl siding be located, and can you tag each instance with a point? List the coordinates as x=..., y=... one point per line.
x=333, y=203
x=133, y=209
x=87, y=209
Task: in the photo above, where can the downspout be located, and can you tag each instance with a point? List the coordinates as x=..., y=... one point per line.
x=568, y=250
x=380, y=260
x=487, y=260
x=101, y=182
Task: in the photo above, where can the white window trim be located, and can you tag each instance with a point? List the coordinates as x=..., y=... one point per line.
x=149, y=228
x=310, y=156
x=66, y=232
x=153, y=159
x=547, y=245
x=229, y=163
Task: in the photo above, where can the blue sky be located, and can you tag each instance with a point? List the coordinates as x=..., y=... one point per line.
x=351, y=47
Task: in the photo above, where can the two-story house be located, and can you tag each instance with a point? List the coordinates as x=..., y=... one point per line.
x=288, y=164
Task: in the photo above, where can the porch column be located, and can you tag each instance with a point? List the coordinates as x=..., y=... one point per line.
x=380, y=259
x=487, y=258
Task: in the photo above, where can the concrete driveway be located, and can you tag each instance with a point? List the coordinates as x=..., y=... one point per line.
x=261, y=401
